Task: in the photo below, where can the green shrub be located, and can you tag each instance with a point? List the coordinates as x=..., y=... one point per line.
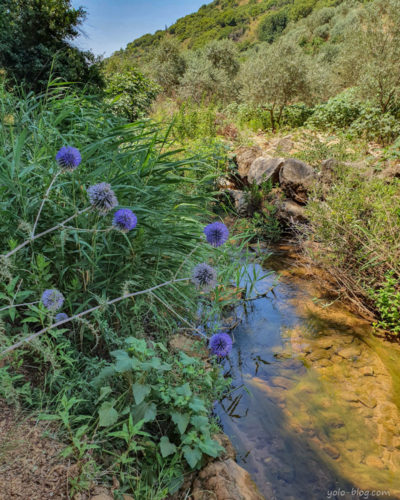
x=387, y=303
x=296, y=115
x=130, y=94
x=272, y=25
x=356, y=228
x=338, y=113
x=373, y=125
x=91, y=264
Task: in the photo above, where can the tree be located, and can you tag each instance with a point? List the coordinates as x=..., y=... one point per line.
x=168, y=65
x=211, y=72
x=129, y=93
x=272, y=25
x=276, y=76
x=370, y=54
x=35, y=38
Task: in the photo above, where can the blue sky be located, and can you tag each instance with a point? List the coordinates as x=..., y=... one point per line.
x=112, y=24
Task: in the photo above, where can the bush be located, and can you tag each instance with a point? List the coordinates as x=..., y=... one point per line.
x=356, y=228
x=338, y=113
x=130, y=94
x=272, y=25
x=117, y=428
x=387, y=303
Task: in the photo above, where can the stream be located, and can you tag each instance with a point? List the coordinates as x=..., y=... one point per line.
x=314, y=408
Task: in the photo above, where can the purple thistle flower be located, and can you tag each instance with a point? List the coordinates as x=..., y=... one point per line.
x=220, y=344
x=204, y=276
x=102, y=197
x=68, y=157
x=61, y=317
x=124, y=220
x=216, y=234
x=52, y=300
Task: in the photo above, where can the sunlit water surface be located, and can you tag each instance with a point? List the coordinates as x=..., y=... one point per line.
x=312, y=412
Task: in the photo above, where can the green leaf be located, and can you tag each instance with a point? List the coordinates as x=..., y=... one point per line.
x=184, y=390
x=210, y=447
x=197, y=405
x=150, y=413
x=176, y=484
x=104, y=392
x=181, y=420
x=192, y=455
x=200, y=422
x=187, y=360
x=124, y=362
x=140, y=391
x=107, y=414
x=167, y=448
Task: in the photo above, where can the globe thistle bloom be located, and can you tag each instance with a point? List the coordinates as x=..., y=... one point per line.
x=52, y=300
x=204, y=276
x=124, y=220
x=216, y=234
x=60, y=317
x=68, y=157
x=102, y=197
x=220, y=344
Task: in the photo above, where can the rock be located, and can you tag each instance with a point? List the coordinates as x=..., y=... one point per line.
x=392, y=172
x=319, y=354
x=296, y=179
x=367, y=371
x=241, y=202
x=285, y=145
x=282, y=382
x=245, y=157
x=374, y=462
x=263, y=169
x=188, y=345
x=289, y=212
x=102, y=496
x=349, y=352
x=331, y=451
x=329, y=165
x=225, y=481
x=225, y=442
x=325, y=342
x=224, y=182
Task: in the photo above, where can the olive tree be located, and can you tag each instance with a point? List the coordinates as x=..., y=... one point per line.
x=276, y=76
x=211, y=72
x=370, y=54
x=168, y=65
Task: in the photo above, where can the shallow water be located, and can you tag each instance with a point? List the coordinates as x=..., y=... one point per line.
x=312, y=412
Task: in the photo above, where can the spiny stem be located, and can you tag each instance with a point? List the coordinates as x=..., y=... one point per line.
x=54, y=228
x=19, y=305
x=88, y=311
x=46, y=196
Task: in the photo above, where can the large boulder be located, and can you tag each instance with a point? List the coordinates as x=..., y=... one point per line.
x=289, y=212
x=264, y=169
x=225, y=481
x=245, y=157
x=296, y=179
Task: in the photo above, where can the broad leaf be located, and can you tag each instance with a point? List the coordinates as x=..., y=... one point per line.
x=181, y=420
x=192, y=456
x=140, y=391
x=107, y=414
x=167, y=448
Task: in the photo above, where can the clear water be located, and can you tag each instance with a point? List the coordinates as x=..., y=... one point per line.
x=294, y=413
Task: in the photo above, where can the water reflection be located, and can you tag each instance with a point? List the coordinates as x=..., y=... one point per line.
x=298, y=434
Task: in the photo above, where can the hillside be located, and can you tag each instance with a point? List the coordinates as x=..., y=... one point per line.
x=243, y=21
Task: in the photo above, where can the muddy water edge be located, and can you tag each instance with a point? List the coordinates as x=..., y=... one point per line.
x=314, y=410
